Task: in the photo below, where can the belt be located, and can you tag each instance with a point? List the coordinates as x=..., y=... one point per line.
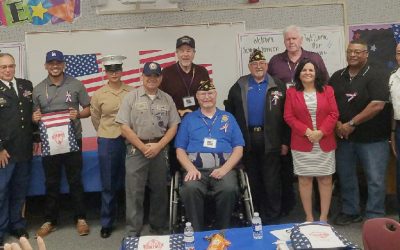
x=256, y=128
x=154, y=140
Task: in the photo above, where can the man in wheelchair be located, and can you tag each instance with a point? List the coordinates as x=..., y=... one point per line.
x=209, y=144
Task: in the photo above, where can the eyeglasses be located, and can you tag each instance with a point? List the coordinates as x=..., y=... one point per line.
x=4, y=67
x=258, y=64
x=207, y=94
x=355, y=52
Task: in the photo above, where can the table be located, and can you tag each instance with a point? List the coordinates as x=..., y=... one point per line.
x=242, y=238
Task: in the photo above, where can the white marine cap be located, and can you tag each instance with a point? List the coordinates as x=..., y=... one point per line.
x=112, y=59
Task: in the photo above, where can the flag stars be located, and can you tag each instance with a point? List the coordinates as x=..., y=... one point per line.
x=373, y=48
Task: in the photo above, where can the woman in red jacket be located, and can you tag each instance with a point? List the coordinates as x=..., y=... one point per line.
x=311, y=112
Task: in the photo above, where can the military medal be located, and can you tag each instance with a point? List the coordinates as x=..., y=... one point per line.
x=27, y=93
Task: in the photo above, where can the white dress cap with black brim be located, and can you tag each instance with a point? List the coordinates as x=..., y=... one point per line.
x=112, y=62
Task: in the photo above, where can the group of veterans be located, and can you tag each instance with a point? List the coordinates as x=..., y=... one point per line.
x=286, y=118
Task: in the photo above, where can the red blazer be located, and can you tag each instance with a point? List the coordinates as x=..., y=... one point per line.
x=299, y=119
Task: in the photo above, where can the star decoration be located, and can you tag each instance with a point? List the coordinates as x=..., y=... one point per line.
x=356, y=36
x=38, y=10
x=373, y=48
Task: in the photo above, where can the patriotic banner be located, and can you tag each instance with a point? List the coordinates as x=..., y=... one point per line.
x=38, y=12
x=382, y=40
x=88, y=69
x=57, y=133
x=153, y=242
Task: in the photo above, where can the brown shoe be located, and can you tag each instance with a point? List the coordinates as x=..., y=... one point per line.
x=82, y=227
x=45, y=229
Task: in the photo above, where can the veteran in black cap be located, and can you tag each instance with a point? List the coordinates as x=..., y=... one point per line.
x=182, y=79
x=257, y=100
x=104, y=107
x=148, y=120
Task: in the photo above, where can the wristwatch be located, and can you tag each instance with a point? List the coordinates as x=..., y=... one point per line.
x=351, y=123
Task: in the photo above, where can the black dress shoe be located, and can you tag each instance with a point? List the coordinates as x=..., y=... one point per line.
x=105, y=232
x=20, y=232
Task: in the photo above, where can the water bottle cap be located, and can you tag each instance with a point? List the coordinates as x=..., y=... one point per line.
x=256, y=214
x=188, y=224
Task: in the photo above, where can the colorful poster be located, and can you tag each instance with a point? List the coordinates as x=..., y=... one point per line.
x=38, y=12
x=382, y=40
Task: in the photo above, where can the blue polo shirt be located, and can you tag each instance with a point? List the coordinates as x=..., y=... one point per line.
x=256, y=95
x=195, y=127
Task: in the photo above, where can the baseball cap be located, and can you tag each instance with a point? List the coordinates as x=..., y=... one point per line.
x=185, y=40
x=152, y=68
x=54, y=55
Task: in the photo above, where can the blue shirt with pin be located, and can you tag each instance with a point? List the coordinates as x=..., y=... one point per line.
x=196, y=128
x=256, y=95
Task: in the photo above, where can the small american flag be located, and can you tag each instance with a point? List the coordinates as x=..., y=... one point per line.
x=57, y=133
x=172, y=242
x=87, y=68
x=396, y=32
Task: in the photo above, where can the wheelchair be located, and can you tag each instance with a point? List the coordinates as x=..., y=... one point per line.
x=241, y=216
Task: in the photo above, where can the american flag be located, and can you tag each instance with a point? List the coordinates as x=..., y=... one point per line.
x=396, y=32
x=62, y=135
x=88, y=69
x=173, y=242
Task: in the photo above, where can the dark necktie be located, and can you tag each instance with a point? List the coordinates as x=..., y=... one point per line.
x=12, y=88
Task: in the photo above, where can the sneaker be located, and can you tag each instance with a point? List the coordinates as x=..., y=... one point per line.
x=82, y=227
x=346, y=219
x=45, y=229
x=18, y=233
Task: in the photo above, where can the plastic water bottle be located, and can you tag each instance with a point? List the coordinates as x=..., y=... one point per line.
x=257, y=227
x=188, y=236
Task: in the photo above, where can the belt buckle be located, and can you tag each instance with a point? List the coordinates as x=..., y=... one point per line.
x=257, y=129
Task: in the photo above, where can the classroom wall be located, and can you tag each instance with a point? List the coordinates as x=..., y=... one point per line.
x=270, y=15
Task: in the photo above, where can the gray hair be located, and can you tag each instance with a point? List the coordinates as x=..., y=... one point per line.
x=6, y=54
x=292, y=28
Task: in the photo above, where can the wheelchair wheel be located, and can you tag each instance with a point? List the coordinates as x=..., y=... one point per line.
x=174, y=202
x=246, y=194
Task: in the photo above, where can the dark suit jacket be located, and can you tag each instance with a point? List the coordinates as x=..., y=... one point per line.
x=16, y=127
x=298, y=118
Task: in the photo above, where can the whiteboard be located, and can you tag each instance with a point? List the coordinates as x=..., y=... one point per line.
x=215, y=47
x=328, y=41
x=17, y=50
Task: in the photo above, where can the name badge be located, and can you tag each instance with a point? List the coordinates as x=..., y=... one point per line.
x=188, y=101
x=210, y=142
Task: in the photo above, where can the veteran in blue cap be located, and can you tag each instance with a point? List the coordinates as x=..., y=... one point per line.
x=149, y=120
x=104, y=107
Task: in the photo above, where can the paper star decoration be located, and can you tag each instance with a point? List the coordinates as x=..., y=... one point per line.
x=38, y=10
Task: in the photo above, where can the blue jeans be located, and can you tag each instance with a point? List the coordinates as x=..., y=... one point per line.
x=374, y=158
x=398, y=164
x=14, y=181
